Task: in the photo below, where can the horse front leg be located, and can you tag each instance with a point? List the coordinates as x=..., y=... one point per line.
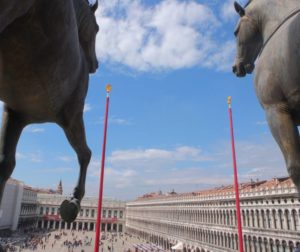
x=12, y=126
x=76, y=135
x=286, y=134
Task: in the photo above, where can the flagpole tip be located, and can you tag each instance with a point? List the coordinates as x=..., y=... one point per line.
x=108, y=88
x=229, y=100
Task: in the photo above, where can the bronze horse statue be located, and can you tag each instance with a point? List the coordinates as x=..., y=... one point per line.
x=47, y=50
x=268, y=32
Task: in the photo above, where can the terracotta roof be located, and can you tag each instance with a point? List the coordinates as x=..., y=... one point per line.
x=244, y=187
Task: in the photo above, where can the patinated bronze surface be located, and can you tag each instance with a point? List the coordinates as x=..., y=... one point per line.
x=47, y=50
x=269, y=32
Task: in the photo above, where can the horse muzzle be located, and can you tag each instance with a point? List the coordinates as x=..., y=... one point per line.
x=241, y=69
x=94, y=66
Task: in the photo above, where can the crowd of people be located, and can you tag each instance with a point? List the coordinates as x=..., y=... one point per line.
x=70, y=241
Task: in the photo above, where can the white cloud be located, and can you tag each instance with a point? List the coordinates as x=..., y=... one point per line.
x=170, y=35
x=261, y=159
x=120, y=178
x=227, y=11
x=87, y=107
x=66, y=159
x=115, y=120
x=260, y=123
x=35, y=157
x=133, y=172
x=118, y=121
x=220, y=58
x=157, y=155
x=33, y=129
x=20, y=155
x=56, y=170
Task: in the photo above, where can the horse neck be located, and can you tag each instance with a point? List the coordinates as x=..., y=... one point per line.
x=11, y=10
x=271, y=13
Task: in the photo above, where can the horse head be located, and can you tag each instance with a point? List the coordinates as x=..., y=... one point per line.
x=88, y=29
x=249, y=42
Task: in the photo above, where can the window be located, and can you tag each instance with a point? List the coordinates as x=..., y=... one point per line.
x=87, y=212
x=52, y=210
x=109, y=213
x=93, y=213
x=41, y=210
x=104, y=213
x=121, y=214
x=115, y=214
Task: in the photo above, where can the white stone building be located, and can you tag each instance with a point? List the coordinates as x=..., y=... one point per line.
x=206, y=220
x=28, y=216
x=113, y=214
x=11, y=205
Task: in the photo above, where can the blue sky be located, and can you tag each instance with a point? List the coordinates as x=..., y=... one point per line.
x=169, y=63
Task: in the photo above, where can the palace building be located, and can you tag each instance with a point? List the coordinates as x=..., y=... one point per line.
x=28, y=217
x=206, y=220
x=113, y=214
x=24, y=207
x=10, y=207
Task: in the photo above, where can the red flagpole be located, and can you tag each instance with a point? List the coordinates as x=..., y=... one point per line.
x=236, y=183
x=98, y=223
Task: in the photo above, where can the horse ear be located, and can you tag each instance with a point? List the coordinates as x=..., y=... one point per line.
x=239, y=9
x=94, y=6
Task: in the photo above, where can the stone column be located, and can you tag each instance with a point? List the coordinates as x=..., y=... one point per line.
x=264, y=247
x=274, y=219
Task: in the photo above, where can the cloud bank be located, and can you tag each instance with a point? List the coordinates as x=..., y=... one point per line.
x=130, y=173
x=169, y=35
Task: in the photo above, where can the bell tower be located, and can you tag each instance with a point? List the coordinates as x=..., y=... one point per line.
x=59, y=189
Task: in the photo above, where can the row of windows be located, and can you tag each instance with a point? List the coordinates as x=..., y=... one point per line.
x=28, y=210
x=283, y=219
x=85, y=212
x=220, y=203
x=222, y=240
x=77, y=225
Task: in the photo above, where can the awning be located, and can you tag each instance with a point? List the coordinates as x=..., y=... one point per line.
x=178, y=246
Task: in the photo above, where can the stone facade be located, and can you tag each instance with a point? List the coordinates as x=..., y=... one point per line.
x=28, y=217
x=113, y=214
x=206, y=220
x=11, y=205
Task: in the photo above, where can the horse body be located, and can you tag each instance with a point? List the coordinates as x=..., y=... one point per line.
x=270, y=29
x=277, y=75
x=44, y=73
x=42, y=66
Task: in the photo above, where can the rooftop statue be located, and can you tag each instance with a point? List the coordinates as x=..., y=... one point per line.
x=47, y=50
x=268, y=32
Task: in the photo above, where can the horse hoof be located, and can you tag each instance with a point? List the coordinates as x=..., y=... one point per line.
x=69, y=210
